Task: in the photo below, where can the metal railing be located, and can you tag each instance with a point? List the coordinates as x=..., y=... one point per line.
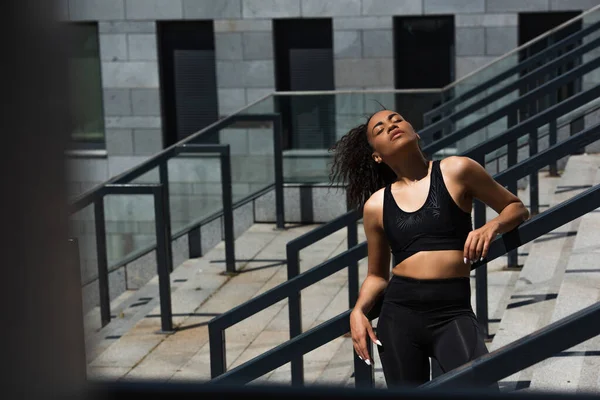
x=118, y=185
x=163, y=247
x=548, y=53
x=217, y=326
x=520, y=83
x=339, y=325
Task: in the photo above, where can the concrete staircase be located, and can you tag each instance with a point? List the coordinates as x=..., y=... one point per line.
x=519, y=303
x=558, y=278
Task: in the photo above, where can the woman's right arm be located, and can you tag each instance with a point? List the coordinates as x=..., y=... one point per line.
x=377, y=276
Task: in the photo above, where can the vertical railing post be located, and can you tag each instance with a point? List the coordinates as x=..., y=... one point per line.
x=216, y=340
x=164, y=264
x=278, y=164
x=552, y=137
x=163, y=172
x=534, y=193
x=101, y=252
x=195, y=242
x=75, y=260
x=481, y=289
x=353, y=267
x=295, y=312
x=227, y=210
x=512, y=159
x=364, y=375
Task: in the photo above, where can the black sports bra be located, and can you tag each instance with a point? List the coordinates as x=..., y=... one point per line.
x=440, y=224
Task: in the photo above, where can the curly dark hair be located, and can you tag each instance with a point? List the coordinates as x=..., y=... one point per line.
x=354, y=167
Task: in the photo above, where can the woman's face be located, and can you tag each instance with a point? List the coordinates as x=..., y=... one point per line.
x=389, y=133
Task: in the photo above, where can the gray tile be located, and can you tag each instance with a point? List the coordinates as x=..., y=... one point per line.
x=236, y=74
x=119, y=164
x=117, y=283
x=258, y=46
x=347, y=44
x=454, y=6
x=256, y=94
x=96, y=10
x=499, y=41
x=211, y=9
x=378, y=43
x=362, y=23
x=243, y=25
x=337, y=8
x=210, y=235
x=127, y=27
x=153, y=9
x=113, y=47
x=181, y=250
x=87, y=170
x=133, y=122
x=117, y=102
x=231, y=100
x=364, y=72
x=195, y=169
x=140, y=271
x=147, y=141
x=142, y=47
x=499, y=6
x=119, y=141
x=145, y=102
x=563, y=5
x=466, y=65
x=485, y=20
x=260, y=141
x=470, y=41
x=138, y=74
x=270, y=8
x=237, y=139
x=392, y=7
x=243, y=219
x=228, y=46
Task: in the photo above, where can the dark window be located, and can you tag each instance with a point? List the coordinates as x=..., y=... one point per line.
x=304, y=62
x=532, y=25
x=188, y=78
x=423, y=58
x=86, y=87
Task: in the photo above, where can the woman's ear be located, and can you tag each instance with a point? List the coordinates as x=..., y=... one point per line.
x=377, y=158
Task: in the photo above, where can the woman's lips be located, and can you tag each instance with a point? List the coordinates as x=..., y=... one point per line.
x=396, y=133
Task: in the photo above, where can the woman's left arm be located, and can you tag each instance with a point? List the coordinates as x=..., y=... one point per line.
x=511, y=211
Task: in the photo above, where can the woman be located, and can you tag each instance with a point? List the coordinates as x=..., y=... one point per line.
x=421, y=210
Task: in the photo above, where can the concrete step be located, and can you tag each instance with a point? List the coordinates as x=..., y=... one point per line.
x=534, y=296
x=192, y=283
x=578, y=368
x=142, y=353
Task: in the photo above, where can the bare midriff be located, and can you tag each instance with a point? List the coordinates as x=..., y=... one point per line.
x=439, y=264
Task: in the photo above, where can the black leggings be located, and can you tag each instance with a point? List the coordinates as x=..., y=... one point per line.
x=426, y=318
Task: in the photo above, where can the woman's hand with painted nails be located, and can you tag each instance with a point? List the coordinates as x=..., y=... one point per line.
x=360, y=327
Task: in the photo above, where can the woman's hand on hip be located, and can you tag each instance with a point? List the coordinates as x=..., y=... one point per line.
x=360, y=327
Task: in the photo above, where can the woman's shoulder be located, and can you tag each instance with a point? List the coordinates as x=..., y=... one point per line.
x=374, y=204
x=457, y=166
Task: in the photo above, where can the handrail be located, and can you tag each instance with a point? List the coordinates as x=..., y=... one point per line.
x=556, y=215
x=530, y=123
x=337, y=326
x=503, y=91
x=522, y=47
x=347, y=220
x=513, y=107
x=530, y=61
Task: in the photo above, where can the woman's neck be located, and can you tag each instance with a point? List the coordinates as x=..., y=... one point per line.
x=410, y=168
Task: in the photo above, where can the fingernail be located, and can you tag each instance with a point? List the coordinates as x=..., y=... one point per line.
x=465, y=260
x=378, y=343
x=481, y=259
x=360, y=357
x=368, y=362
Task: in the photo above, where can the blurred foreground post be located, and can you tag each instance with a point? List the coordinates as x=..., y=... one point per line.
x=42, y=344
